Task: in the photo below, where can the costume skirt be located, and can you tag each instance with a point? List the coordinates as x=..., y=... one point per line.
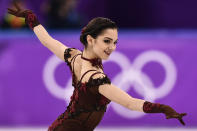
x=84, y=122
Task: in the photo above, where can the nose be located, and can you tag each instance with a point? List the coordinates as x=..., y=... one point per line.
x=112, y=47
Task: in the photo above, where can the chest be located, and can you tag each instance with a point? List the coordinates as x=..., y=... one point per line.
x=79, y=67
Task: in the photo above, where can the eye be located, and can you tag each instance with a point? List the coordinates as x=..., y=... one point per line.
x=107, y=41
x=115, y=42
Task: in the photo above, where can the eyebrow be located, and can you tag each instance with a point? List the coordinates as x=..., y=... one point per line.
x=111, y=39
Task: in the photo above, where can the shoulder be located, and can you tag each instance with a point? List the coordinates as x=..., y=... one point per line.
x=98, y=78
x=96, y=81
x=69, y=53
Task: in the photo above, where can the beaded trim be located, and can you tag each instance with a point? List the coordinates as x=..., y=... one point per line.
x=95, y=62
x=98, y=81
x=67, y=55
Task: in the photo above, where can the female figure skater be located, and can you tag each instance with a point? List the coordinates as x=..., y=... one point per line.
x=93, y=90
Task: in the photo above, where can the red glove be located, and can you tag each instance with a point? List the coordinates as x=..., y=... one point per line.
x=30, y=17
x=149, y=107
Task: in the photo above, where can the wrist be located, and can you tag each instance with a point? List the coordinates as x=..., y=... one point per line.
x=149, y=107
x=31, y=19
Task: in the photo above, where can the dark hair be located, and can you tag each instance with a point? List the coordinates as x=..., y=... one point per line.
x=95, y=28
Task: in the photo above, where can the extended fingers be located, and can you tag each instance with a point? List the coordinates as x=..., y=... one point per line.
x=173, y=116
x=17, y=6
x=11, y=11
x=177, y=115
x=182, y=122
x=183, y=114
x=180, y=118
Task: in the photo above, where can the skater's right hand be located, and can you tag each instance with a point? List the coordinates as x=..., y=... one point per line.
x=18, y=11
x=30, y=17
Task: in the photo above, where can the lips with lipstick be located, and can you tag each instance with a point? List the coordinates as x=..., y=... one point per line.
x=107, y=53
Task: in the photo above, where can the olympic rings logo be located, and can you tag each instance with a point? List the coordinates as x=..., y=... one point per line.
x=131, y=74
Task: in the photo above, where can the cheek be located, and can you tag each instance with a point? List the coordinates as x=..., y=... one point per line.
x=100, y=46
x=114, y=48
x=99, y=49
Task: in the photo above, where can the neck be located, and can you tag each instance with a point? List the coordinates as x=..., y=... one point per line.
x=89, y=54
x=91, y=57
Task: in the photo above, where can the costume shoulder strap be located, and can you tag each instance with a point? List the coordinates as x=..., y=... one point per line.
x=85, y=74
x=95, y=74
x=73, y=59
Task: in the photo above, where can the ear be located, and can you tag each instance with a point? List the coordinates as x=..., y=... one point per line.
x=90, y=39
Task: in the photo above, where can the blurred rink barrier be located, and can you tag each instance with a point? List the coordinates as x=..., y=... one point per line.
x=158, y=66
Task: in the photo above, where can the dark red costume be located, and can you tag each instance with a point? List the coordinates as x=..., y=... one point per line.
x=87, y=106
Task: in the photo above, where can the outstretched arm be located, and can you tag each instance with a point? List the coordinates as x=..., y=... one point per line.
x=30, y=18
x=53, y=45
x=121, y=97
x=107, y=89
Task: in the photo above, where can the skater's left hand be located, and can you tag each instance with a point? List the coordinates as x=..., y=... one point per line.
x=171, y=113
x=178, y=116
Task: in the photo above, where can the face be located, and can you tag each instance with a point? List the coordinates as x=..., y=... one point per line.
x=105, y=43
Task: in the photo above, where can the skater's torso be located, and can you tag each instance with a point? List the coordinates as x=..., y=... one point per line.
x=87, y=106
